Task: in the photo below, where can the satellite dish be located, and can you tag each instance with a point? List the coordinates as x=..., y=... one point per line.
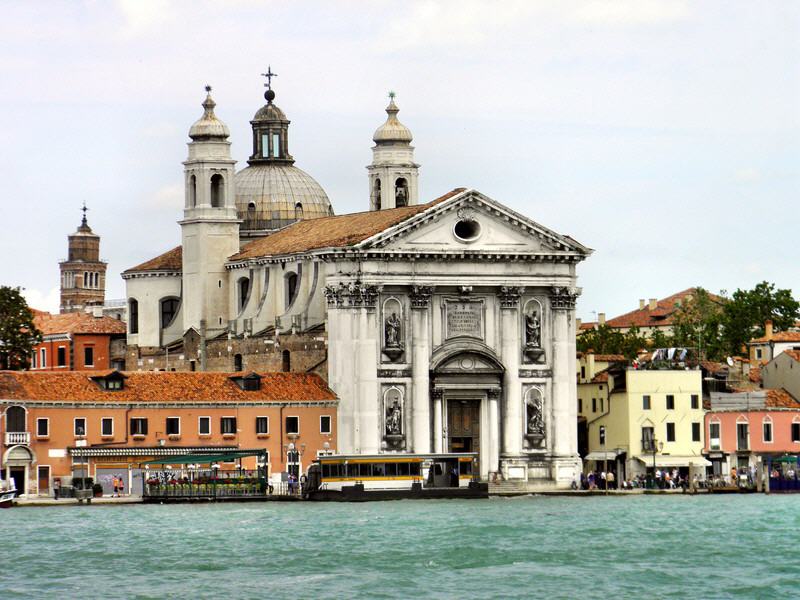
x=729, y=360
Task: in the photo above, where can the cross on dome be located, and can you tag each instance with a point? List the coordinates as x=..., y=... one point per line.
x=269, y=75
x=84, y=209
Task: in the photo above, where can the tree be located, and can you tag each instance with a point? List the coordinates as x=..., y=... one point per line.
x=606, y=340
x=18, y=334
x=698, y=324
x=748, y=310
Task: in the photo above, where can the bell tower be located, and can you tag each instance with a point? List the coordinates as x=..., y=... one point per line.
x=83, y=274
x=393, y=173
x=210, y=228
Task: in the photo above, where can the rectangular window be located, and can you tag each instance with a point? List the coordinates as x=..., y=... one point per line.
x=796, y=432
x=713, y=436
x=138, y=426
x=594, y=404
x=601, y=404
x=742, y=436
x=33, y=360
x=759, y=354
x=276, y=145
x=42, y=358
x=695, y=401
x=42, y=427
x=292, y=425
x=265, y=145
x=80, y=427
x=173, y=425
x=227, y=425
x=645, y=402
x=695, y=432
x=670, y=402
x=88, y=356
x=325, y=424
x=580, y=405
x=767, y=432
x=670, y=432
x=62, y=356
x=262, y=425
x=602, y=436
x=204, y=425
x=107, y=427
x=583, y=372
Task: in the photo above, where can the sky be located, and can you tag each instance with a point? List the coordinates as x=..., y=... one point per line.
x=662, y=134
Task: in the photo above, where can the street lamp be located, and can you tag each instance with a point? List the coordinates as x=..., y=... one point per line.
x=657, y=446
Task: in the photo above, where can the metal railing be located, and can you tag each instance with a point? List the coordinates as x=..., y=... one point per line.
x=206, y=484
x=14, y=438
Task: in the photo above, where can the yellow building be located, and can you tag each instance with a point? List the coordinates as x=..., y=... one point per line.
x=629, y=418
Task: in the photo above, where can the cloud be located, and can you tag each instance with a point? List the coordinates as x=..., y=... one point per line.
x=747, y=175
x=630, y=12
x=145, y=16
x=49, y=301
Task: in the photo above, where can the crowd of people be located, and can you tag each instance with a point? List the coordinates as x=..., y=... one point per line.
x=662, y=479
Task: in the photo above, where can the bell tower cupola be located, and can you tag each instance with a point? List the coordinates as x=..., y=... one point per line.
x=83, y=274
x=393, y=174
x=270, y=130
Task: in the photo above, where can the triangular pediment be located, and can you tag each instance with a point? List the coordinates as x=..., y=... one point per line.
x=473, y=223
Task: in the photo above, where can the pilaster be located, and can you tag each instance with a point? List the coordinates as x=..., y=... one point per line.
x=512, y=389
x=420, y=339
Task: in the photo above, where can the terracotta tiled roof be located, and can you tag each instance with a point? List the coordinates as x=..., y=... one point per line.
x=608, y=357
x=169, y=261
x=754, y=374
x=150, y=386
x=77, y=322
x=333, y=232
x=600, y=376
x=781, y=399
x=779, y=336
x=795, y=354
x=587, y=326
x=661, y=316
x=713, y=367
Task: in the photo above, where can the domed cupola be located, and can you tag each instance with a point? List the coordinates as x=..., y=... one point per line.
x=208, y=127
x=392, y=131
x=271, y=192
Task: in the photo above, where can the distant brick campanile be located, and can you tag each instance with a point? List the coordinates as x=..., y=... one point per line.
x=83, y=274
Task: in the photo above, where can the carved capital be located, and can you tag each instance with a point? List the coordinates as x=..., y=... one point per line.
x=509, y=296
x=437, y=394
x=352, y=295
x=563, y=298
x=494, y=394
x=421, y=296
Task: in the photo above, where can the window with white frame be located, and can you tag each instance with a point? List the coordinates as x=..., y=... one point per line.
x=107, y=427
x=767, y=430
x=138, y=426
x=325, y=424
x=292, y=425
x=80, y=426
x=173, y=425
x=42, y=427
x=204, y=425
x=42, y=358
x=262, y=425
x=228, y=425
x=796, y=431
x=714, y=442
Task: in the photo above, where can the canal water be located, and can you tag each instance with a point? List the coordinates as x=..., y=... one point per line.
x=544, y=547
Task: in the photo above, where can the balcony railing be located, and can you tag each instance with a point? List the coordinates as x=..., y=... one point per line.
x=648, y=446
x=14, y=438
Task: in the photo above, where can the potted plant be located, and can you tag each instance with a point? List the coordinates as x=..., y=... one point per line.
x=97, y=490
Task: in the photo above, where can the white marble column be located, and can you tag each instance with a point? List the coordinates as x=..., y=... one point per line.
x=564, y=442
x=512, y=390
x=420, y=368
x=369, y=398
x=438, y=430
x=493, y=451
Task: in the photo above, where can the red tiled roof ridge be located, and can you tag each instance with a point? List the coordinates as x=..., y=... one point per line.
x=665, y=308
x=779, y=336
x=780, y=398
x=335, y=231
x=171, y=260
x=78, y=322
x=162, y=386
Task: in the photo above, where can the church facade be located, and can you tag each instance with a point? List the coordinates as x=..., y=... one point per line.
x=445, y=326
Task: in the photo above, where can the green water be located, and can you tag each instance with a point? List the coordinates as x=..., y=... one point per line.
x=554, y=547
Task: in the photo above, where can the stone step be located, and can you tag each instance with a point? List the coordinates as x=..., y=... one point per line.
x=508, y=487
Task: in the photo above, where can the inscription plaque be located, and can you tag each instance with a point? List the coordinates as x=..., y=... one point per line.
x=464, y=318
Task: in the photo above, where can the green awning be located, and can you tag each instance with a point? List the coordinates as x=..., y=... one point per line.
x=786, y=460
x=202, y=459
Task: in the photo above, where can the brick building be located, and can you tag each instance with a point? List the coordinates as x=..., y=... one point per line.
x=55, y=424
x=78, y=341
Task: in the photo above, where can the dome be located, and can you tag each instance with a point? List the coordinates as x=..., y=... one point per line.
x=392, y=130
x=208, y=126
x=270, y=112
x=271, y=196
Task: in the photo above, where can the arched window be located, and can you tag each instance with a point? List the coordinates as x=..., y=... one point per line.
x=251, y=206
x=217, y=191
x=244, y=290
x=85, y=279
x=15, y=419
x=298, y=211
x=169, y=308
x=376, y=194
x=401, y=192
x=133, y=316
x=286, y=363
x=291, y=288
x=238, y=364
x=192, y=191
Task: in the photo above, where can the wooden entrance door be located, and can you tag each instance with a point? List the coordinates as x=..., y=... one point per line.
x=44, y=480
x=463, y=426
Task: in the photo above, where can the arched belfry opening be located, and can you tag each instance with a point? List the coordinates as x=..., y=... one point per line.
x=217, y=191
x=376, y=195
x=401, y=192
x=192, y=191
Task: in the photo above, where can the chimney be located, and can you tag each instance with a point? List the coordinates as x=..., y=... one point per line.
x=653, y=303
x=641, y=303
x=97, y=312
x=601, y=319
x=590, y=366
x=768, y=329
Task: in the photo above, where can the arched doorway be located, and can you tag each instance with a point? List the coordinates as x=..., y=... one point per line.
x=467, y=376
x=18, y=461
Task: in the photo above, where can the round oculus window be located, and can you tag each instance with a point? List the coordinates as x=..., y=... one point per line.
x=467, y=230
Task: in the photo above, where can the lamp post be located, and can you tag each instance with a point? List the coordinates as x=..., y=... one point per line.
x=656, y=447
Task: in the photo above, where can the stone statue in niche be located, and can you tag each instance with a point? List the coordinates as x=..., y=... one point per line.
x=534, y=353
x=392, y=328
x=535, y=422
x=394, y=417
x=533, y=330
